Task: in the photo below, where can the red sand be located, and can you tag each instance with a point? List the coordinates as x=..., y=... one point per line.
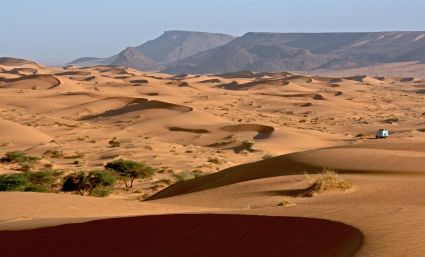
x=187, y=235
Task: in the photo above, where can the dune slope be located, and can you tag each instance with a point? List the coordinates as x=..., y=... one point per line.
x=188, y=235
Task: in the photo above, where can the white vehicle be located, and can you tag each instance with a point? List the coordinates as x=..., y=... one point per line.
x=382, y=133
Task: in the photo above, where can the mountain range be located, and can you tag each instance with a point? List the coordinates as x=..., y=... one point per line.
x=202, y=52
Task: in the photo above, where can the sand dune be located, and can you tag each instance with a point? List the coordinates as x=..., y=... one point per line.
x=23, y=71
x=75, y=72
x=253, y=85
x=138, y=105
x=385, y=158
x=307, y=95
x=32, y=82
x=9, y=61
x=221, y=235
x=299, y=79
x=188, y=130
x=263, y=131
x=17, y=134
x=251, y=74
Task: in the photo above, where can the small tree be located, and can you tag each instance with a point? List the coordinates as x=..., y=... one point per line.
x=130, y=170
x=101, y=178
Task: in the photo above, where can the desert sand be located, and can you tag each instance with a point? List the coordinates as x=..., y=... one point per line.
x=258, y=138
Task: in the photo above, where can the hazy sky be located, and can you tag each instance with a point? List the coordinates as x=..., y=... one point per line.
x=57, y=31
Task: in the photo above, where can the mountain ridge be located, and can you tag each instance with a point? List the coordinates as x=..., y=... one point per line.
x=269, y=52
x=205, y=53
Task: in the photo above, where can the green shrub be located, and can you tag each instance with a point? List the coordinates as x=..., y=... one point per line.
x=43, y=177
x=101, y=191
x=23, y=159
x=130, y=170
x=18, y=157
x=86, y=182
x=186, y=175
x=13, y=182
x=101, y=178
x=40, y=181
x=36, y=188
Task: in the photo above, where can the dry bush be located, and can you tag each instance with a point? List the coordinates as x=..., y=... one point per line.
x=285, y=203
x=328, y=180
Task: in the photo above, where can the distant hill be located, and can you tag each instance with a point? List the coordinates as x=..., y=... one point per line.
x=305, y=52
x=10, y=61
x=155, y=54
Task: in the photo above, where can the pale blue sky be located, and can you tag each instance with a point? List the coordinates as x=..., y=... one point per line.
x=57, y=31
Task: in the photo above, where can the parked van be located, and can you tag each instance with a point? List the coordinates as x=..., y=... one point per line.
x=382, y=133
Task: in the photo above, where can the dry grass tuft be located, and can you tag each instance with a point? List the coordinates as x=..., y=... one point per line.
x=285, y=203
x=328, y=180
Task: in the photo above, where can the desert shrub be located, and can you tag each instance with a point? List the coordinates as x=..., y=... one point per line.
x=13, y=182
x=214, y=160
x=114, y=143
x=54, y=153
x=36, y=188
x=18, y=157
x=40, y=181
x=101, y=178
x=101, y=191
x=43, y=177
x=25, y=161
x=84, y=182
x=186, y=175
x=286, y=203
x=328, y=180
x=245, y=147
x=75, y=182
x=130, y=170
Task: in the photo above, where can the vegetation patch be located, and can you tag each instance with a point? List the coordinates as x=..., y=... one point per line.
x=128, y=170
x=96, y=182
x=186, y=175
x=25, y=161
x=214, y=160
x=53, y=153
x=40, y=181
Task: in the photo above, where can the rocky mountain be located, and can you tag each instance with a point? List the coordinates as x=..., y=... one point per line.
x=305, y=52
x=175, y=45
x=131, y=57
x=171, y=46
